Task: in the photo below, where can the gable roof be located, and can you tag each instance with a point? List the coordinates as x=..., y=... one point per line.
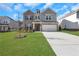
x=48, y=11
x=29, y=12
x=67, y=15
x=1, y=17
x=6, y=17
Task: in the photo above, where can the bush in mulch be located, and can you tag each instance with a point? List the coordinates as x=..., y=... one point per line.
x=20, y=35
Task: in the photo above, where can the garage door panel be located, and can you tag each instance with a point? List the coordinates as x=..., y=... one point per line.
x=49, y=27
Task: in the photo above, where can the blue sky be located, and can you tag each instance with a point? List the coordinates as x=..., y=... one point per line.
x=12, y=9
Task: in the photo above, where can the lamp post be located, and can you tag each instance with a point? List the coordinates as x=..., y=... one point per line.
x=19, y=25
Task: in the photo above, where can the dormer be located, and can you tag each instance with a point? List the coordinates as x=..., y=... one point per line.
x=37, y=11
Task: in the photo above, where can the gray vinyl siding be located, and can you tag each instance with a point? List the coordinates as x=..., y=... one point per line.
x=43, y=17
x=69, y=25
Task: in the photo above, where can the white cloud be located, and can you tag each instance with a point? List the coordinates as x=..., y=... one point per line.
x=18, y=6
x=31, y=4
x=5, y=7
x=15, y=16
x=47, y=5
x=75, y=7
x=60, y=16
x=63, y=8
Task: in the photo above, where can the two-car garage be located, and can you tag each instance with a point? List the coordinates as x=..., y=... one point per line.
x=45, y=26
x=49, y=28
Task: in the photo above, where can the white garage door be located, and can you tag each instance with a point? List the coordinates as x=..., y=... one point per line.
x=49, y=27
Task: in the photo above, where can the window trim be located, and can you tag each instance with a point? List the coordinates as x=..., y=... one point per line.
x=77, y=14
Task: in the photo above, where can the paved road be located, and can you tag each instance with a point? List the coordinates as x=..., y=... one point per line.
x=63, y=44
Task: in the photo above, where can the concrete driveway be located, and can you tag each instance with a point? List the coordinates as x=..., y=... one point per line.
x=63, y=44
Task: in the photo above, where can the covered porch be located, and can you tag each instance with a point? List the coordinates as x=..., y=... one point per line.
x=4, y=28
x=37, y=26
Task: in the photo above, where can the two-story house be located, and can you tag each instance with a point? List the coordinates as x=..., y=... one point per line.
x=7, y=24
x=70, y=21
x=4, y=26
x=40, y=21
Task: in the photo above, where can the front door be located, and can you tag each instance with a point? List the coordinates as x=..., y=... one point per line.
x=37, y=27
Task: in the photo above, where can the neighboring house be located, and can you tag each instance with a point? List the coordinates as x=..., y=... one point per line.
x=40, y=21
x=13, y=25
x=7, y=24
x=69, y=25
x=70, y=21
x=4, y=26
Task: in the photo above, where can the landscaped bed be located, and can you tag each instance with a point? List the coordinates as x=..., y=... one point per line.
x=71, y=32
x=34, y=44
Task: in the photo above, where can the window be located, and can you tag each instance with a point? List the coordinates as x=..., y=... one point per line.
x=26, y=18
x=38, y=11
x=49, y=17
x=38, y=17
x=77, y=14
x=35, y=17
x=31, y=17
x=46, y=17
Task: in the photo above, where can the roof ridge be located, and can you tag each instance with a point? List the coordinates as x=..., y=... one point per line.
x=28, y=11
x=48, y=9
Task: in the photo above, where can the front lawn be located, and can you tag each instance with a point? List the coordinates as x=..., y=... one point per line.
x=34, y=44
x=72, y=32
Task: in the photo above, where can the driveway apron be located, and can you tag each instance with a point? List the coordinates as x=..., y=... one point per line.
x=63, y=44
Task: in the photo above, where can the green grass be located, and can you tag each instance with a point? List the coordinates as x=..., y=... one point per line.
x=34, y=44
x=72, y=32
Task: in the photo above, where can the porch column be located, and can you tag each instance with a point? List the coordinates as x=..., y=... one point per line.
x=2, y=28
x=33, y=26
x=40, y=27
